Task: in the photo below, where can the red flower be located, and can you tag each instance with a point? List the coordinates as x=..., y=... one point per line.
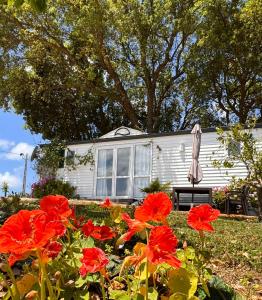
x=26, y=232
x=56, y=206
x=107, y=203
x=156, y=207
x=199, y=217
x=161, y=246
x=103, y=233
x=134, y=226
x=77, y=222
x=51, y=251
x=94, y=260
x=97, y=232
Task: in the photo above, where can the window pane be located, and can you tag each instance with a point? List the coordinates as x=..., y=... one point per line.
x=234, y=148
x=122, y=186
x=140, y=183
x=142, y=160
x=123, y=155
x=104, y=187
x=105, y=163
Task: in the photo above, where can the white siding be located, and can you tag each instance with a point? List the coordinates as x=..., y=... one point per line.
x=169, y=163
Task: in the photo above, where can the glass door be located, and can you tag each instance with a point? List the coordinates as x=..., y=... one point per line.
x=123, y=171
x=104, y=173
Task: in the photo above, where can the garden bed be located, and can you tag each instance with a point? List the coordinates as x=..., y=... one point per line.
x=236, y=244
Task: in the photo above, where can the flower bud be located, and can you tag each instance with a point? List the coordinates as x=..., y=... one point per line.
x=57, y=275
x=31, y=295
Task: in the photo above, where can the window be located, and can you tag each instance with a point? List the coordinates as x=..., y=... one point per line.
x=142, y=165
x=123, y=172
x=104, y=173
x=233, y=149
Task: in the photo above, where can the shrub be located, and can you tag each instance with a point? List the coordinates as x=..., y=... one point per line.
x=53, y=186
x=155, y=186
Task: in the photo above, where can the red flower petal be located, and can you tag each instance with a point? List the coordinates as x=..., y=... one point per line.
x=56, y=206
x=94, y=260
x=107, y=203
x=201, y=216
x=162, y=246
x=156, y=207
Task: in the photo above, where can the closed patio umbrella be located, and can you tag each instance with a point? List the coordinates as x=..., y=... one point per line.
x=195, y=174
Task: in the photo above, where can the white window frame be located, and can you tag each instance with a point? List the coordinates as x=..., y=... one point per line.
x=150, y=167
x=114, y=147
x=104, y=177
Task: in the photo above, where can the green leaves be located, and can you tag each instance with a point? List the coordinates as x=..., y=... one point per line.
x=182, y=283
x=38, y=5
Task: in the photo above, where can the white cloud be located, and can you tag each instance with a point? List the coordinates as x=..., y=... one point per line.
x=12, y=180
x=5, y=144
x=19, y=148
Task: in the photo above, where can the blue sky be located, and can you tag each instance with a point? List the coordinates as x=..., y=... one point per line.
x=15, y=139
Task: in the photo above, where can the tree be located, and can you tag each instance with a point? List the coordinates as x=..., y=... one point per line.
x=38, y=5
x=119, y=63
x=249, y=154
x=226, y=60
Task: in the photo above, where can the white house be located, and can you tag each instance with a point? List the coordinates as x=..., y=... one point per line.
x=126, y=160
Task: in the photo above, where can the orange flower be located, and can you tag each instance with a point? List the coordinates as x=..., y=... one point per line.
x=161, y=246
x=107, y=203
x=94, y=260
x=97, y=232
x=56, y=206
x=156, y=207
x=199, y=217
x=134, y=226
x=26, y=232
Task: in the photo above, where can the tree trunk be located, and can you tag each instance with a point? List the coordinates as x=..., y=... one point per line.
x=259, y=197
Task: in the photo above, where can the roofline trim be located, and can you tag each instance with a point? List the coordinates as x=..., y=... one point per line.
x=148, y=135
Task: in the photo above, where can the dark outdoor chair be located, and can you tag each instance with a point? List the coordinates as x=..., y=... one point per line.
x=236, y=201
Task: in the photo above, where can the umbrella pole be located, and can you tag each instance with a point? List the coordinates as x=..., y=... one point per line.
x=193, y=194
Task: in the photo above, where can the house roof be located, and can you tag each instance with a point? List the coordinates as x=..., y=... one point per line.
x=112, y=136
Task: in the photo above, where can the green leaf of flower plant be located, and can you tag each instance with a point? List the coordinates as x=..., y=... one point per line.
x=190, y=252
x=182, y=281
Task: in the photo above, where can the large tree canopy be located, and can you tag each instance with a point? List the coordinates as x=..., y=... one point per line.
x=83, y=67
x=226, y=60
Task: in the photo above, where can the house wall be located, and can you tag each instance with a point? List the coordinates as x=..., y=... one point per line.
x=170, y=161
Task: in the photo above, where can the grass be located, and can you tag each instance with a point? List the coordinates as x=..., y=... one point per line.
x=233, y=242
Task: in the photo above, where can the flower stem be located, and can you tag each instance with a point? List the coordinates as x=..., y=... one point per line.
x=146, y=295
x=102, y=282
x=45, y=280
x=12, y=277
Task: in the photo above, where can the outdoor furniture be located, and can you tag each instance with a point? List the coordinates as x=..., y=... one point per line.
x=192, y=200
x=236, y=201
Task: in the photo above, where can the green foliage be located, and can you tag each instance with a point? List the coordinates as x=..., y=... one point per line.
x=5, y=188
x=156, y=186
x=50, y=157
x=52, y=186
x=8, y=207
x=225, y=62
x=250, y=155
x=120, y=64
x=38, y=5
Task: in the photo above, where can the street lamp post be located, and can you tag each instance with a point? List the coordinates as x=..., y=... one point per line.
x=25, y=157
